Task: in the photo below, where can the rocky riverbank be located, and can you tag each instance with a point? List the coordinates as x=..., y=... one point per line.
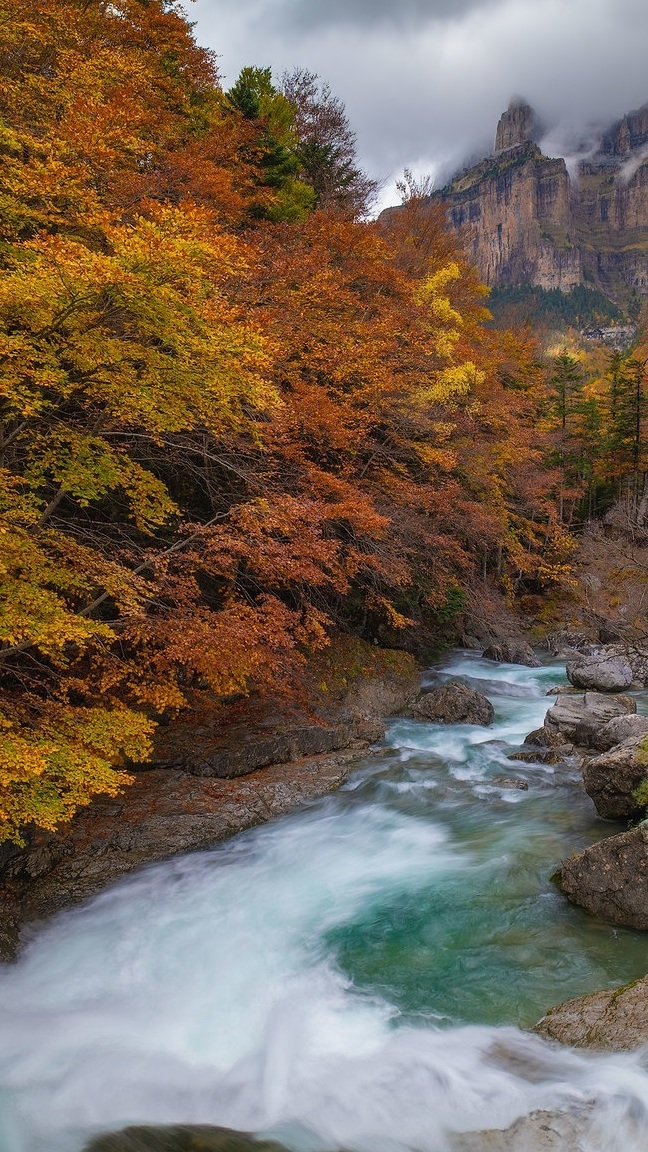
x=609, y=879
x=207, y=782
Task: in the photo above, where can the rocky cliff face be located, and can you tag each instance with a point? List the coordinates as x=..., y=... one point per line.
x=524, y=219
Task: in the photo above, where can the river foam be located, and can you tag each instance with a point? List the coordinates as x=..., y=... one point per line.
x=346, y=977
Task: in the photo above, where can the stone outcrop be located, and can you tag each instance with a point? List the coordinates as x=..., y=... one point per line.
x=454, y=704
x=600, y=673
x=615, y=1021
x=610, y=879
x=524, y=219
x=612, y=779
x=240, y=751
x=512, y=652
x=579, y=719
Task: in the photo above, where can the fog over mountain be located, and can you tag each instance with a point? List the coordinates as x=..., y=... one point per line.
x=424, y=81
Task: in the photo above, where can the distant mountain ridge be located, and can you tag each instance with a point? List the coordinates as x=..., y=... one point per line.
x=524, y=220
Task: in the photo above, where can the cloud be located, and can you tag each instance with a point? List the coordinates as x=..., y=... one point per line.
x=424, y=81
x=308, y=14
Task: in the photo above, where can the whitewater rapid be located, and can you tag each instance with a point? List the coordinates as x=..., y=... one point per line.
x=351, y=976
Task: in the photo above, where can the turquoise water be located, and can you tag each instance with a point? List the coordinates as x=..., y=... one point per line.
x=354, y=975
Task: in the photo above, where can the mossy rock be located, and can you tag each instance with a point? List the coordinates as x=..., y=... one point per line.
x=184, y=1138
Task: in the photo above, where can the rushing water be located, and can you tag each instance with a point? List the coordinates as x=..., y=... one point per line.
x=354, y=975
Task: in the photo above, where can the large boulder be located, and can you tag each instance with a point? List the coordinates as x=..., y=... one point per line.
x=627, y=727
x=579, y=719
x=601, y=673
x=612, y=778
x=454, y=704
x=615, y=1021
x=512, y=652
x=610, y=879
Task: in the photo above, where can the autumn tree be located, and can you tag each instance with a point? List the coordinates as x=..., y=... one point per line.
x=231, y=421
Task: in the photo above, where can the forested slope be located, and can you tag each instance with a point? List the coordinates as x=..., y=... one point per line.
x=235, y=415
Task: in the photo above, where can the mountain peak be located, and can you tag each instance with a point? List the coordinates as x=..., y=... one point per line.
x=518, y=125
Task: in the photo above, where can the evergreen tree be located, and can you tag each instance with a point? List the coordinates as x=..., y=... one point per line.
x=327, y=146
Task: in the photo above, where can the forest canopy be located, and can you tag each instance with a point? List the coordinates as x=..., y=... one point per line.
x=236, y=415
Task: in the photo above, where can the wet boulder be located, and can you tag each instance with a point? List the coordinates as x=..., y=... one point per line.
x=512, y=652
x=610, y=879
x=612, y=1021
x=579, y=719
x=538, y=738
x=510, y=783
x=180, y=1138
x=601, y=673
x=453, y=704
x=612, y=778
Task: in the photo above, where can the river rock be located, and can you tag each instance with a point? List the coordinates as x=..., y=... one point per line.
x=579, y=719
x=615, y=1021
x=538, y=737
x=600, y=673
x=627, y=727
x=612, y=778
x=540, y=755
x=454, y=704
x=189, y=1138
x=512, y=652
x=610, y=879
x=539, y=1132
x=510, y=782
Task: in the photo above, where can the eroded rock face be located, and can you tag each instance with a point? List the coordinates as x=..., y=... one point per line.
x=612, y=778
x=579, y=719
x=189, y=1138
x=615, y=1021
x=600, y=673
x=512, y=652
x=610, y=879
x=454, y=704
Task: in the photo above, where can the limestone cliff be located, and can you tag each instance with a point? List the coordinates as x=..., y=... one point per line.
x=524, y=219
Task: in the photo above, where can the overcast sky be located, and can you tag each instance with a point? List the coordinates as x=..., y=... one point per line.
x=424, y=81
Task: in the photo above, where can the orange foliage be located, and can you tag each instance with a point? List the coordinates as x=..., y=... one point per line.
x=217, y=439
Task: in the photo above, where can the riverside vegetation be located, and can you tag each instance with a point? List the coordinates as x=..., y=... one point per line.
x=235, y=417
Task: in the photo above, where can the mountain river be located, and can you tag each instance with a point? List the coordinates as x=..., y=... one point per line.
x=357, y=975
